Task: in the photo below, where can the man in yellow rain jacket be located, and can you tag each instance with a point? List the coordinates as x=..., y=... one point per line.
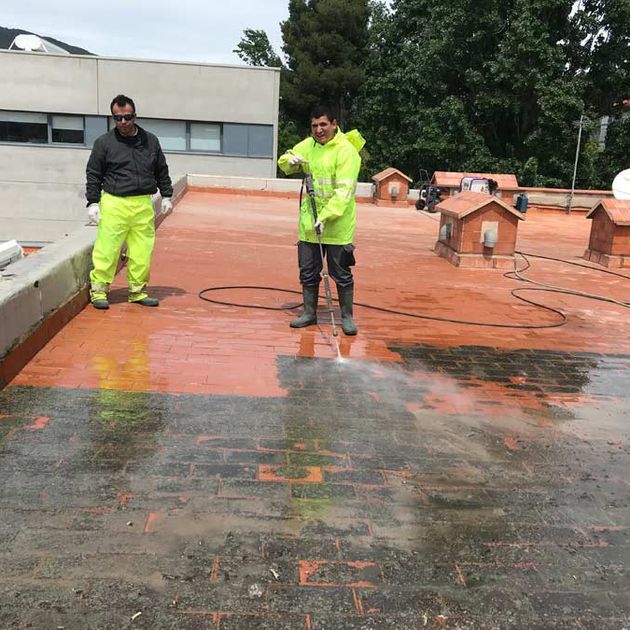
x=125, y=168
x=332, y=157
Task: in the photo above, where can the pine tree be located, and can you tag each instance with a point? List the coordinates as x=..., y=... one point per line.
x=324, y=44
x=256, y=50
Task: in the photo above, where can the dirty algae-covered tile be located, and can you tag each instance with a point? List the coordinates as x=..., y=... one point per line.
x=266, y=621
x=446, y=485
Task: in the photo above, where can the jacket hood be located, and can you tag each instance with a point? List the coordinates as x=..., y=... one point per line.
x=354, y=137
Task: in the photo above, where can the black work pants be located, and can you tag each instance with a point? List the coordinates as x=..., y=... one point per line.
x=340, y=259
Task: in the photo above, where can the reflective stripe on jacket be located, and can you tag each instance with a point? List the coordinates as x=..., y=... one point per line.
x=335, y=168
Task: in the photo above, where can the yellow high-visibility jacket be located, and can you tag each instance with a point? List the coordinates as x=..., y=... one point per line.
x=335, y=168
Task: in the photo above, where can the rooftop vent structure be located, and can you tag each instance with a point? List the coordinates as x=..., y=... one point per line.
x=477, y=230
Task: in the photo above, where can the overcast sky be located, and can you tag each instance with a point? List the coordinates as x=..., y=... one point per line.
x=183, y=30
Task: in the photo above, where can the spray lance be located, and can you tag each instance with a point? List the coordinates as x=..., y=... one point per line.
x=310, y=191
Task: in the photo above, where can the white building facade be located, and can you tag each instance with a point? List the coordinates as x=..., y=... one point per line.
x=210, y=119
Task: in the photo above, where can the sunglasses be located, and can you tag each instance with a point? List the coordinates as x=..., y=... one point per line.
x=120, y=117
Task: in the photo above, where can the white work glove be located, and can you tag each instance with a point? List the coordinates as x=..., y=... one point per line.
x=296, y=160
x=319, y=227
x=167, y=205
x=94, y=213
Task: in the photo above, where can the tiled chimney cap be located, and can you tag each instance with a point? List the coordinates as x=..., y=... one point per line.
x=388, y=172
x=450, y=179
x=466, y=203
x=617, y=209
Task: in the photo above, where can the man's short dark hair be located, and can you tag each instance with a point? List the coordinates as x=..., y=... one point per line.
x=324, y=110
x=122, y=101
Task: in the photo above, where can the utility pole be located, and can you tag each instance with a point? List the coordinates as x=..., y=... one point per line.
x=577, y=157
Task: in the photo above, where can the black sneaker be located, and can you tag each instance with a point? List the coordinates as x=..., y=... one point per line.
x=101, y=305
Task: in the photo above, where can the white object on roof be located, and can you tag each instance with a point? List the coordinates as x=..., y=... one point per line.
x=475, y=184
x=10, y=252
x=621, y=185
x=35, y=43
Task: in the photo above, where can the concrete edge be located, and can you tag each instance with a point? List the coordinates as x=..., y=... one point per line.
x=48, y=286
x=547, y=197
x=259, y=185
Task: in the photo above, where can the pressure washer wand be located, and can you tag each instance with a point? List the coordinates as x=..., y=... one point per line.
x=310, y=191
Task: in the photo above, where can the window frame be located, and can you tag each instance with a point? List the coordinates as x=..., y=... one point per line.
x=65, y=144
x=38, y=143
x=173, y=120
x=49, y=130
x=189, y=148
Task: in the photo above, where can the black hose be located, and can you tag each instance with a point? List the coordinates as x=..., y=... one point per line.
x=246, y=286
x=387, y=310
x=571, y=262
x=514, y=292
x=516, y=275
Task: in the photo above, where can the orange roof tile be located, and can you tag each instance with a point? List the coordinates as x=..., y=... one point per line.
x=451, y=179
x=189, y=346
x=467, y=202
x=617, y=209
x=388, y=172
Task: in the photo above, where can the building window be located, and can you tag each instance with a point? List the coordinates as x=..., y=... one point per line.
x=233, y=139
x=23, y=127
x=260, y=141
x=68, y=129
x=205, y=137
x=170, y=133
x=249, y=140
x=95, y=126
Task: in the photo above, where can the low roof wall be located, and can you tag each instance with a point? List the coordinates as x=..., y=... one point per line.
x=548, y=197
x=34, y=288
x=40, y=293
x=261, y=186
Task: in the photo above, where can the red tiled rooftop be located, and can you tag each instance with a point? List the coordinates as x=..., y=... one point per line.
x=467, y=202
x=388, y=172
x=451, y=179
x=222, y=240
x=617, y=209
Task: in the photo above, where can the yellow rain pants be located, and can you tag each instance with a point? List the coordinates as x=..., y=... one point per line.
x=123, y=219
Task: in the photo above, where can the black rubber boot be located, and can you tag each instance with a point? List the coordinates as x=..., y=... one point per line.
x=346, y=295
x=309, y=316
x=147, y=301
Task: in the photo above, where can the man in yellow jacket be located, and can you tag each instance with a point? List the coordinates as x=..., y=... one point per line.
x=332, y=157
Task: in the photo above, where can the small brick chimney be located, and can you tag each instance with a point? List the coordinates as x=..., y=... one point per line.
x=609, y=242
x=392, y=188
x=477, y=230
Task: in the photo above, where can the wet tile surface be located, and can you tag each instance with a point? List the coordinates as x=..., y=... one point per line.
x=203, y=466
x=353, y=501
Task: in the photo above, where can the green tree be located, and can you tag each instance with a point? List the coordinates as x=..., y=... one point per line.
x=616, y=155
x=324, y=44
x=256, y=50
x=605, y=32
x=466, y=85
x=415, y=105
x=489, y=85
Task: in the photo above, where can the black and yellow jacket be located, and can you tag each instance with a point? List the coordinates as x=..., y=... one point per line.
x=124, y=166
